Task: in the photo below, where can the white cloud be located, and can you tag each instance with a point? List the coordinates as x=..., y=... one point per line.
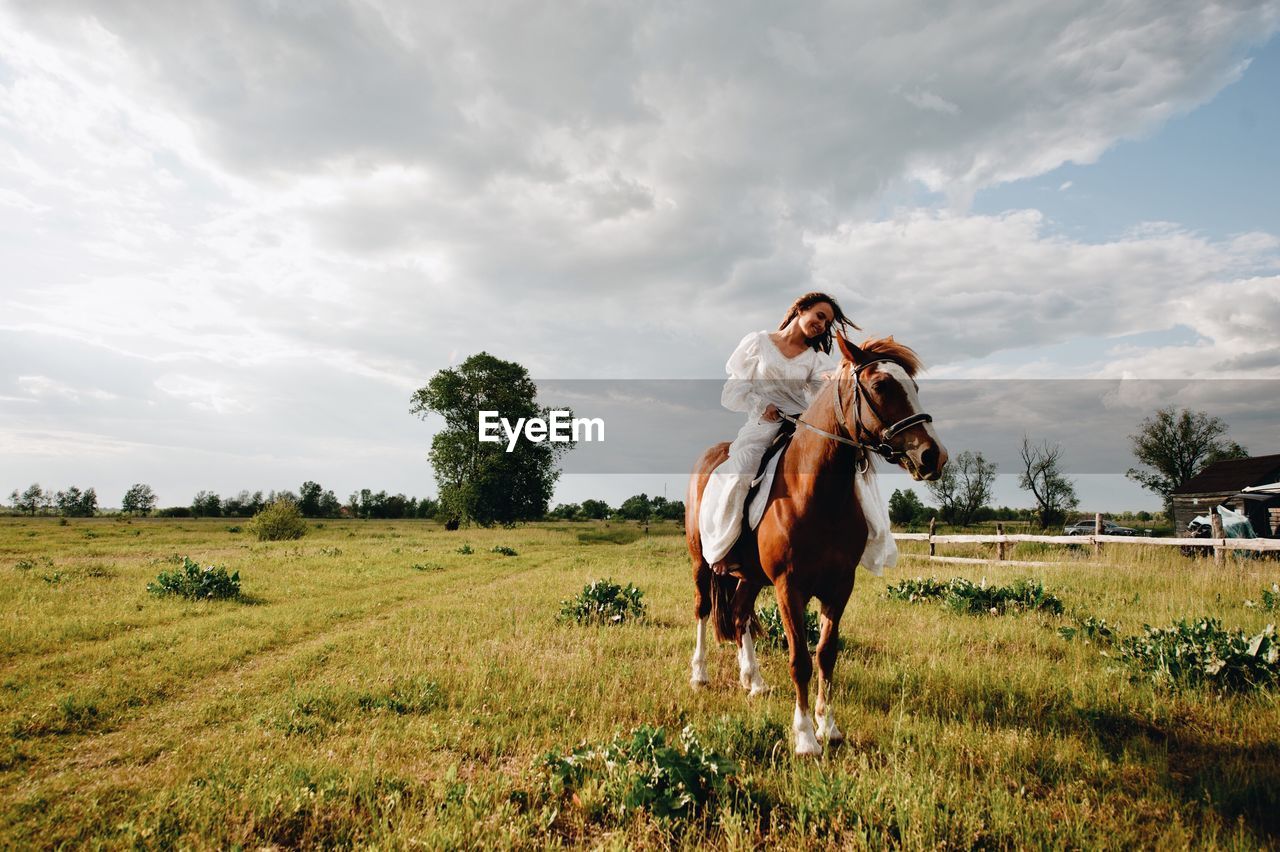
x=965, y=287
x=234, y=202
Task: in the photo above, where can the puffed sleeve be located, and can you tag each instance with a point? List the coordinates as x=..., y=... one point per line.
x=739, y=392
x=820, y=372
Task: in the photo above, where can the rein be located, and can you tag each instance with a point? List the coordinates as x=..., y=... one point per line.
x=882, y=449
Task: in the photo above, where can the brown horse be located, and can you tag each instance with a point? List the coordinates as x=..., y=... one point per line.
x=813, y=532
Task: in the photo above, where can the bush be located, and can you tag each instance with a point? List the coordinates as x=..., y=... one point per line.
x=776, y=635
x=504, y=550
x=604, y=602
x=964, y=596
x=1270, y=600
x=640, y=772
x=1090, y=629
x=195, y=582
x=175, y=512
x=1203, y=653
x=278, y=521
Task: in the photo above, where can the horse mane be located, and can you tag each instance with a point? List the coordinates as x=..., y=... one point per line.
x=887, y=347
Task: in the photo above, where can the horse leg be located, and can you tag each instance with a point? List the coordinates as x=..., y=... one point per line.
x=791, y=607
x=744, y=603
x=701, y=610
x=828, y=643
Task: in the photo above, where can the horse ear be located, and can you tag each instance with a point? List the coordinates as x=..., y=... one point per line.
x=850, y=351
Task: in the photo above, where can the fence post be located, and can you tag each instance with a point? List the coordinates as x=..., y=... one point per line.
x=933, y=526
x=1000, y=551
x=1097, y=531
x=1215, y=522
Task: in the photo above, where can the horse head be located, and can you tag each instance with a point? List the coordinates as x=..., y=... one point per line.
x=878, y=403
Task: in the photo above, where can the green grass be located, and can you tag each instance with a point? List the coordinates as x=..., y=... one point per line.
x=352, y=697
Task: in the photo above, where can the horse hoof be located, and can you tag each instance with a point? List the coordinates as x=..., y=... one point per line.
x=758, y=689
x=699, y=684
x=828, y=731
x=807, y=746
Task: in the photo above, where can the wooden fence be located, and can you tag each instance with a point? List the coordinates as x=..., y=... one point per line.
x=1219, y=543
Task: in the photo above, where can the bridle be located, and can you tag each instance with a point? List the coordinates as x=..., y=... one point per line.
x=852, y=437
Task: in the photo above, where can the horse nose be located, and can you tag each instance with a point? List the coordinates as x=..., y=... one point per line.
x=933, y=458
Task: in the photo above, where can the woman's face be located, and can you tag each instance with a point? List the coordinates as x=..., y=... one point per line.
x=815, y=319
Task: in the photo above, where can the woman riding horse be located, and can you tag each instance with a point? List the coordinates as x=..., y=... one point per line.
x=769, y=374
x=815, y=526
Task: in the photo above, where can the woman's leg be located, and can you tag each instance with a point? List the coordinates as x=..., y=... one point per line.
x=720, y=513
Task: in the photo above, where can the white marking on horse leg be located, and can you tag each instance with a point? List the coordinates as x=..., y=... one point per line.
x=806, y=737
x=823, y=718
x=749, y=667
x=699, y=676
x=826, y=726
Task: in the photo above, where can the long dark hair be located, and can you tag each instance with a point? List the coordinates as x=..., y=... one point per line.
x=838, y=320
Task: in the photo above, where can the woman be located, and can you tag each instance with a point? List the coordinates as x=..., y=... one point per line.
x=769, y=373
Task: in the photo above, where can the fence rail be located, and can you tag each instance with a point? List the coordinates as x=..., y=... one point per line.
x=1259, y=544
x=1219, y=544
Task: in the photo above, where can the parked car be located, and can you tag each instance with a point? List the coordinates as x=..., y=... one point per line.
x=1086, y=528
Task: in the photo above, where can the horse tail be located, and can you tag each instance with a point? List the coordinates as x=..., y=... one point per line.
x=723, y=587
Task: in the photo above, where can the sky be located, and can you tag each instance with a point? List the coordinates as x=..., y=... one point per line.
x=236, y=236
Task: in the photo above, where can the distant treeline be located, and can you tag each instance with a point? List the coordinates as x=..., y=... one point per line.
x=313, y=501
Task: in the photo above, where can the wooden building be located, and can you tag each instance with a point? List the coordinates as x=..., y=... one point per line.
x=1224, y=482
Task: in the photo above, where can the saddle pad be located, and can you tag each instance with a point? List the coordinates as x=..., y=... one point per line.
x=755, y=508
x=881, y=550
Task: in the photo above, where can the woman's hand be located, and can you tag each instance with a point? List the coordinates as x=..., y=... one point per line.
x=770, y=413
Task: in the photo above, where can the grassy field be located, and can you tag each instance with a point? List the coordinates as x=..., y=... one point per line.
x=375, y=687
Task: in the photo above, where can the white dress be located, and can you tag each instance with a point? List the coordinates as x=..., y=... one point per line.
x=759, y=374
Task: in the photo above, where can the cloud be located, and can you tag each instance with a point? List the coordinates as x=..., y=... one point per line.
x=966, y=287
x=214, y=207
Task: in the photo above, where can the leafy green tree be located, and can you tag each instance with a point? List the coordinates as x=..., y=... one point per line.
x=667, y=510
x=74, y=503
x=206, y=504
x=480, y=481
x=329, y=505
x=964, y=487
x=309, y=496
x=637, y=508
x=565, y=512
x=904, y=505
x=32, y=500
x=1174, y=445
x=595, y=510
x=139, y=500
x=1042, y=475
x=243, y=505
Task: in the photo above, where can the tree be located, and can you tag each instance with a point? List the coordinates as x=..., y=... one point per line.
x=329, y=505
x=206, y=504
x=309, y=496
x=595, y=510
x=481, y=481
x=1054, y=494
x=138, y=500
x=33, y=500
x=74, y=503
x=667, y=510
x=1176, y=445
x=635, y=508
x=904, y=505
x=565, y=512
x=964, y=487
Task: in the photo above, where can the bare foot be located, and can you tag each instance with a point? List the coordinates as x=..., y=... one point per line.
x=725, y=566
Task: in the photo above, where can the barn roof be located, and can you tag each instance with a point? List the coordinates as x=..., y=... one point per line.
x=1232, y=475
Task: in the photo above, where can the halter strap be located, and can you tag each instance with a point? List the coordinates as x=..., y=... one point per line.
x=883, y=449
